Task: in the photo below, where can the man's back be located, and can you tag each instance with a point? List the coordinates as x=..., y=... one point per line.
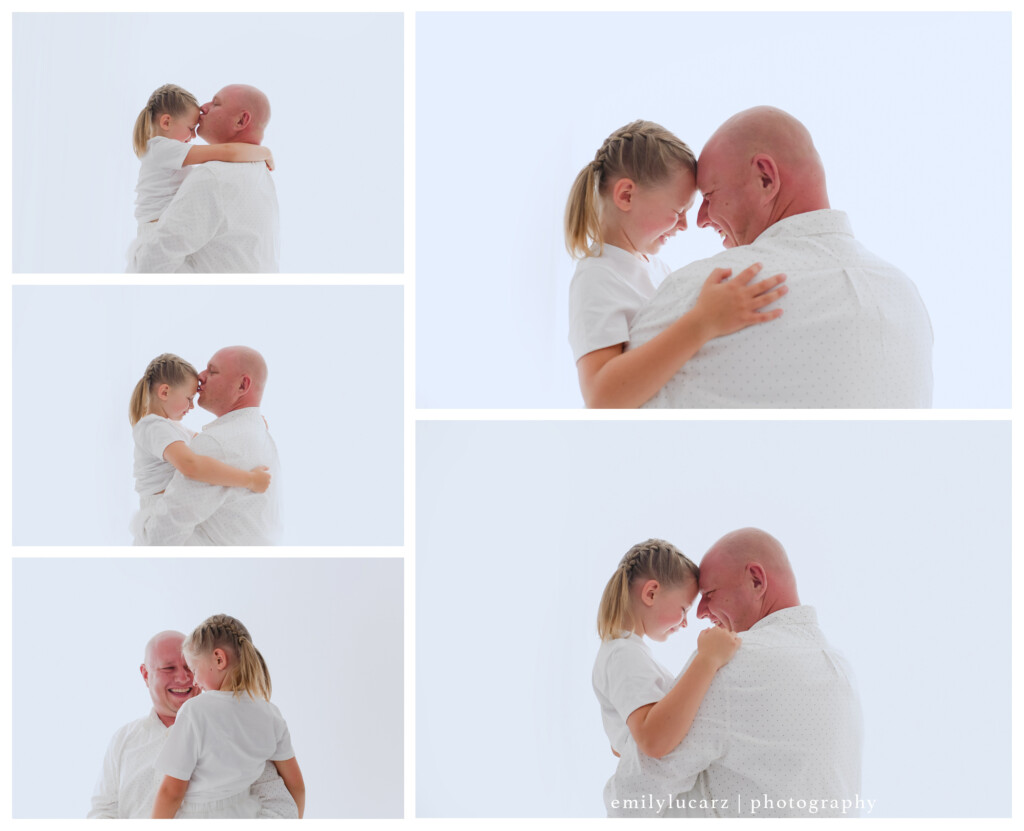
x=194, y=513
x=224, y=219
x=854, y=334
x=780, y=724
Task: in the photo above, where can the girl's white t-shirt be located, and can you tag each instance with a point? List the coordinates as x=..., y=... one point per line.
x=626, y=677
x=160, y=176
x=152, y=434
x=221, y=743
x=605, y=294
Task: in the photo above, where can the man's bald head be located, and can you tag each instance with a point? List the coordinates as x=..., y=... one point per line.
x=759, y=167
x=744, y=577
x=253, y=101
x=247, y=361
x=238, y=112
x=153, y=644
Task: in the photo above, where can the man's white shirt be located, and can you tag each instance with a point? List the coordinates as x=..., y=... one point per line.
x=195, y=513
x=223, y=219
x=854, y=332
x=128, y=784
x=781, y=723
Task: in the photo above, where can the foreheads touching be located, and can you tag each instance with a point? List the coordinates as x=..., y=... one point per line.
x=744, y=577
x=650, y=592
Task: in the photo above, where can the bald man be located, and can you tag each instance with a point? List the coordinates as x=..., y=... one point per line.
x=128, y=784
x=779, y=732
x=195, y=513
x=854, y=332
x=224, y=217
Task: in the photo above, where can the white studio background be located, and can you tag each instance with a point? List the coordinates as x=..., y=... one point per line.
x=80, y=628
x=910, y=112
x=333, y=402
x=335, y=88
x=899, y=534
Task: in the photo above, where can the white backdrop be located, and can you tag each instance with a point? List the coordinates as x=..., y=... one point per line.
x=333, y=402
x=80, y=627
x=910, y=112
x=899, y=534
x=335, y=88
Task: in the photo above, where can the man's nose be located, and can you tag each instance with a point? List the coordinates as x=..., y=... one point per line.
x=702, y=609
x=702, y=215
x=203, y=110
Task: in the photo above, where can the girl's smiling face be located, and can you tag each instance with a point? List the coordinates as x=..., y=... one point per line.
x=208, y=670
x=663, y=610
x=658, y=211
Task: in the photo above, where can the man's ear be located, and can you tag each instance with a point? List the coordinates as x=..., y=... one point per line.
x=768, y=177
x=758, y=578
x=623, y=192
x=245, y=384
x=243, y=120
x=145, y=674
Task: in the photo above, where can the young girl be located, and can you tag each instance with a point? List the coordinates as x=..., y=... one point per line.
x=622, y=208
x=644, y=709
x=221, y=741
x=160, y=400
x=161, y=139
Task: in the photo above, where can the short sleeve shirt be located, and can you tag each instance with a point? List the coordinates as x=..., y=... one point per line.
x=626, y=677
x=605, y=293
x=152, y=435
x=160, y=176
x=221, y=743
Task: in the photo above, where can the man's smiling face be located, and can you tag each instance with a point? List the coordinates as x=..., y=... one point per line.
x=729, y=195
x=167, y=676
x=725, y=594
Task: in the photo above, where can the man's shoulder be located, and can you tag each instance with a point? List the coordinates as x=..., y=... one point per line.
x=235, y=423
x=232, y=433
x=234, y=171
x=215, y=174
x=735, y=258
x=139, y=728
